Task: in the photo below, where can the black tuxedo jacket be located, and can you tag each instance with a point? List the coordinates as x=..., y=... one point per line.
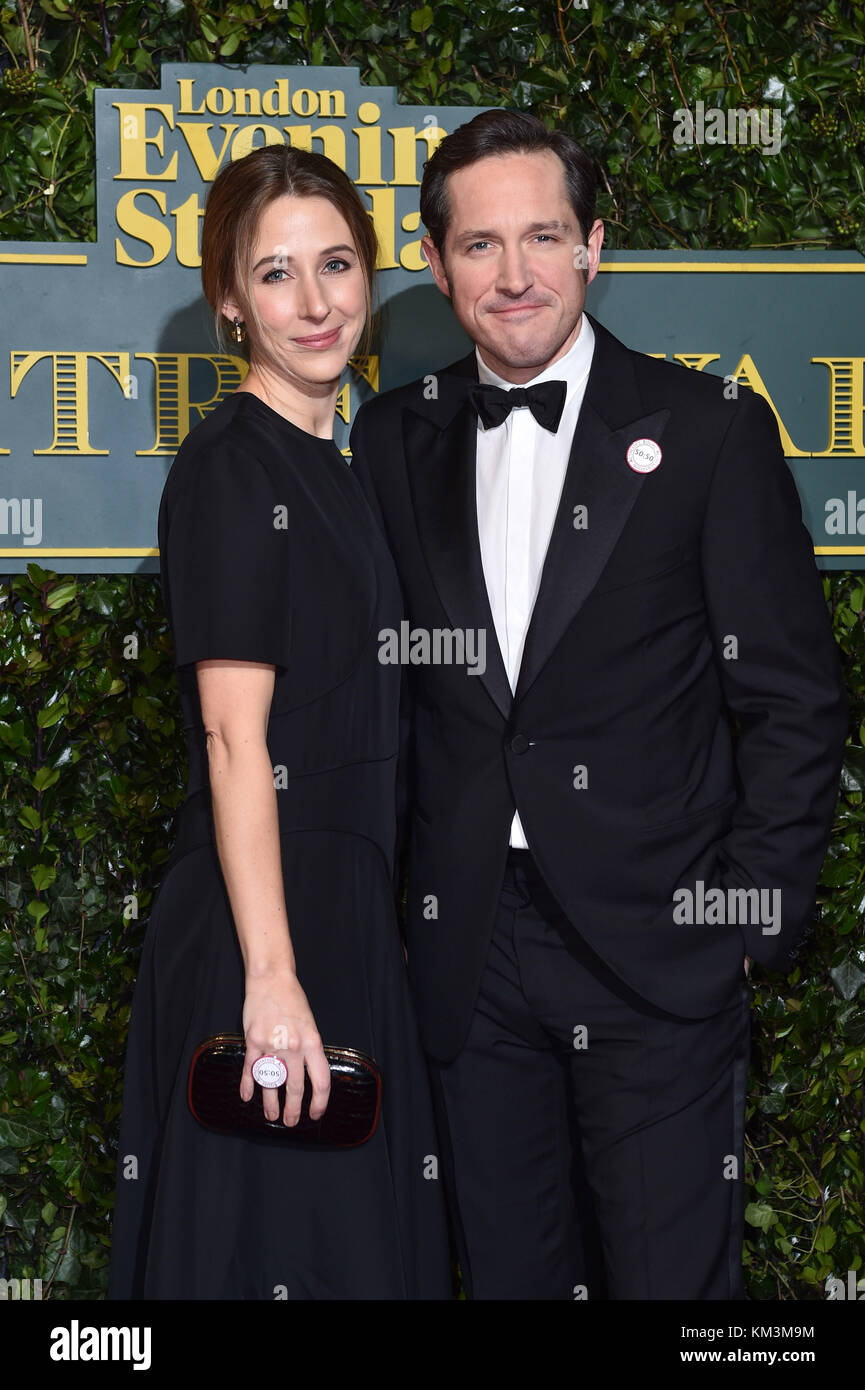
x=689, y=595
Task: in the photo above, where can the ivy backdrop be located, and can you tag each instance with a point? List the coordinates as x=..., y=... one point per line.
x=90, y=740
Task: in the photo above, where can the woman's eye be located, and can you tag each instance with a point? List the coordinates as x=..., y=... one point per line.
x=278, y=273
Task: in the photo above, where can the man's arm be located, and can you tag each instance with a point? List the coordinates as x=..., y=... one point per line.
x=781, y=677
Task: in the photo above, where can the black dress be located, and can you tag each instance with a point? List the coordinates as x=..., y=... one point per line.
x=270, y=553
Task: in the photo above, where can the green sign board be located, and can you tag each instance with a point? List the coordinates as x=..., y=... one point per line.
x=112, y=356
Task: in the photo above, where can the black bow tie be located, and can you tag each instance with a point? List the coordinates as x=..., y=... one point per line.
x=546, y=401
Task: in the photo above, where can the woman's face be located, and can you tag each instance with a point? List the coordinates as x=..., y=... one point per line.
x=308, y=287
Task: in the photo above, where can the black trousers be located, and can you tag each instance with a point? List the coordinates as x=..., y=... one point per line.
x=592, y=1144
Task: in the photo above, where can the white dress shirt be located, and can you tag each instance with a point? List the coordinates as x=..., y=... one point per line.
x=520, y=472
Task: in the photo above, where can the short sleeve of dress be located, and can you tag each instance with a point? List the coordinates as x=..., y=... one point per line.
x=225, y=555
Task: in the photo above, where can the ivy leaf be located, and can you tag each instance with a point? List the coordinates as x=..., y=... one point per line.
x=43, y=875
x=53, y=713
x=761, y=1215
x=45, y=777
x=37, y=910
x=17, y=1134
x=847, y=979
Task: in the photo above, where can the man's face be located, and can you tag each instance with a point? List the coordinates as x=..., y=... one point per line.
x=513, y=260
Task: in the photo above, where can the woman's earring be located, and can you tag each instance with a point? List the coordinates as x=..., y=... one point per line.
x=238, y=332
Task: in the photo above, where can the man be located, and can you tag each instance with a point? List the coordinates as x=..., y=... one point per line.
x=592, y=858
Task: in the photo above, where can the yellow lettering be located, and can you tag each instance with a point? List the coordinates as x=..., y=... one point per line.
x=69, y=385
x=331, y=136
x=411, y=256
x=174, y=405
x=142, y=226
x=368, y=152
x=218, y=101
x=244, y=142
x=134, y=140
x=187, y=218
x=343, y=403
x=405, y=143
x=368, y=368
x=846, y=407
x=383, y=216
x=207, y=161
x=332, y=103
x=695, y=360
x=185, y=107
x=247, y=97
x=304, y=102
x=747, y=372
x=275, y=99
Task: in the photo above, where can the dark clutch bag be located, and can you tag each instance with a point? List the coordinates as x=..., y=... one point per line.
x=352, y=1109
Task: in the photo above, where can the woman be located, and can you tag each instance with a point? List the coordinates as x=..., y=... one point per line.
x=275, y=917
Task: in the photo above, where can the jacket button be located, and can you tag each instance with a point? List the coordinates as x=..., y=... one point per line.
x=519, y=743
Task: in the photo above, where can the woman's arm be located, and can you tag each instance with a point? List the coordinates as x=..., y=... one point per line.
x=235, y=705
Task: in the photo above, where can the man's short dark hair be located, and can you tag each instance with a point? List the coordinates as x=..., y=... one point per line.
x=504, y=132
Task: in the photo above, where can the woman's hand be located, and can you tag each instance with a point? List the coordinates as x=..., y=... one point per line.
x=278, y=1021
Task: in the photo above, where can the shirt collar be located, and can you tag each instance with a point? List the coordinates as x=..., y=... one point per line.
x=573, y=368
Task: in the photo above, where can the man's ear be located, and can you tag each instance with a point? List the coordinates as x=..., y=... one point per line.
x=596, y=241
x=436, y=264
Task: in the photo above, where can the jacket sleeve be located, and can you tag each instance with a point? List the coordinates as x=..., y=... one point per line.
x=781, y=678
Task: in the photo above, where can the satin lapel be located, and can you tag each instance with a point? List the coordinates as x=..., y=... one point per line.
x=598, y=478
x=441, y=468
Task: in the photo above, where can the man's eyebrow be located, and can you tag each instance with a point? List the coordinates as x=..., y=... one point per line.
x=473, y=234
x=551, y=225
x=284, y=256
